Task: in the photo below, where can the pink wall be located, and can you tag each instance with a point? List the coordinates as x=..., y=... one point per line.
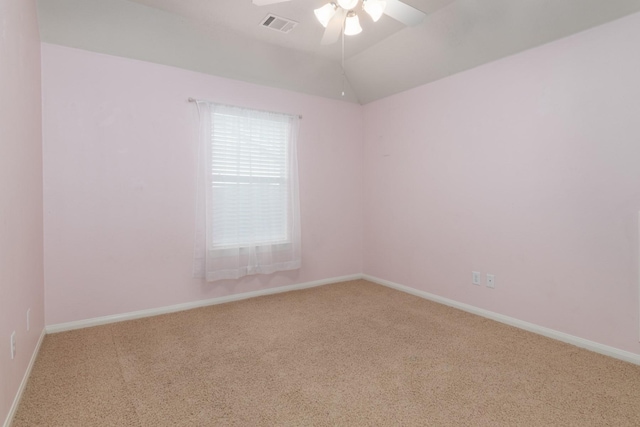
x=526, y=168
x=119, y=173
x=21, y=271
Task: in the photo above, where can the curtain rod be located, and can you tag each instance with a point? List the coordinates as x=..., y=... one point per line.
x=264, y=111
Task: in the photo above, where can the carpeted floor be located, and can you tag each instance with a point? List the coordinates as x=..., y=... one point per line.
x=349, y=354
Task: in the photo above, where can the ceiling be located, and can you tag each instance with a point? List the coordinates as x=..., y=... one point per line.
x=243, y=17
x=224, y=38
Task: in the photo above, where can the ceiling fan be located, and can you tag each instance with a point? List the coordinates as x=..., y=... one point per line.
x=339, y=15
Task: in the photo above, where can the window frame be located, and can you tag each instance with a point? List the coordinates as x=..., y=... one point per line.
x=283, y=244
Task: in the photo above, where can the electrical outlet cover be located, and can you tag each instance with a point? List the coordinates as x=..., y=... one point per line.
x=491, y=281
x=13, y=345
x=475, y=277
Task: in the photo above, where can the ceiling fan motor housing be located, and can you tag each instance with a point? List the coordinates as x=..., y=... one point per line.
x=348, y=4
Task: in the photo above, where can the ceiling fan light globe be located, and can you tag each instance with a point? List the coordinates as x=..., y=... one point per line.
x=375, y=8
x=352, y=25
x=325, y=13
x=347, y=4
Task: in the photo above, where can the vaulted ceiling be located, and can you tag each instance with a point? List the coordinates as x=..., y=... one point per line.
x=225, y=38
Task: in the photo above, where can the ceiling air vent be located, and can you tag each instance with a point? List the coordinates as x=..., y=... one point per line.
x=279, y=24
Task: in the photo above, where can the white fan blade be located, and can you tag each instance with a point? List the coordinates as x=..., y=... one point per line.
x=267, y=2
x=334, y=28
x=404, y=13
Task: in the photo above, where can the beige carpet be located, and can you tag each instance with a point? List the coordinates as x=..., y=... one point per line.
x=348, y=354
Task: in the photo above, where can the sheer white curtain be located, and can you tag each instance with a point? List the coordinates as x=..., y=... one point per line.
x=248, y=215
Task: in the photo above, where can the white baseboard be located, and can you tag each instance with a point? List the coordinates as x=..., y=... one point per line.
x=550, y=333
x=531, y=327
x=61, y=327
x=23, y=384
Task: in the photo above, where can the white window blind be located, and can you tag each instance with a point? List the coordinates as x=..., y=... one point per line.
x=249, y=170
x=250, y=188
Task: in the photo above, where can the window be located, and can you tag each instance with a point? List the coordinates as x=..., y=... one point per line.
x=250, y=174
x=250, y=191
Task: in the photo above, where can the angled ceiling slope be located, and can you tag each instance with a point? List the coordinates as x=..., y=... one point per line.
x=224, y=38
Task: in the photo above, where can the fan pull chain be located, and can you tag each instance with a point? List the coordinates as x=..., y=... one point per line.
x=344, y=75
